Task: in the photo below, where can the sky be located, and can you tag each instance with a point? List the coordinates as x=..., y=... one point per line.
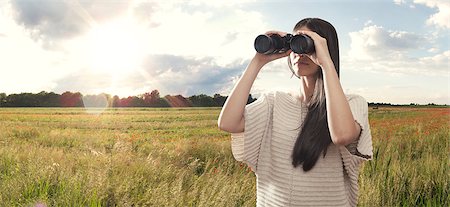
x=391, y=51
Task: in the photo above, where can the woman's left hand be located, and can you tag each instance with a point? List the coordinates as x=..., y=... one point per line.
x=321, y=57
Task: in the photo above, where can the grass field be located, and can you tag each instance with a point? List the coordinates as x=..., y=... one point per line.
x=178, y=157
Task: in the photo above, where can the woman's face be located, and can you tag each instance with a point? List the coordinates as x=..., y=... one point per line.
x=301, y=64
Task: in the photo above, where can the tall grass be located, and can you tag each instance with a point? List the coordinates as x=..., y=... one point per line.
x=178, y=157
x=410, y=166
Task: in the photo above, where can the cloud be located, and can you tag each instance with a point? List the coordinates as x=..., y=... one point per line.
x=187, y=76
x=374, y=42
x=168, y=73
x=50, y=21
x=442, y=17
x=377, y=49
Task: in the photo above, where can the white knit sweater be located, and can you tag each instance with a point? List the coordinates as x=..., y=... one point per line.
x=272, y=124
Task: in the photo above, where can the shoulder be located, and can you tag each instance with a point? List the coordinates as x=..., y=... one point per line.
x=356, y=98
x=358, y=104
x=279, y=98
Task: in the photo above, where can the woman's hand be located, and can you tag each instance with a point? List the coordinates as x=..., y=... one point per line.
x=264, y=59
x=321, y=57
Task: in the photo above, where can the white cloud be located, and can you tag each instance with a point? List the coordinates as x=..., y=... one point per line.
x=49, y=21
x=377, y=49
x=187, y=76
x=442, y=17
x=374, y=42
x=368, y=23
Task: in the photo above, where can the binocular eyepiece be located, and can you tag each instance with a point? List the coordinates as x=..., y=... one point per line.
x=274, y=43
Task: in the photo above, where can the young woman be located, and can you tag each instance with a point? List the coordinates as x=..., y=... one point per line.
x=305, y=150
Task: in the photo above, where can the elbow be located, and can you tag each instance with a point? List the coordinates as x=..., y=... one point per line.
x=226, y=127
x=229, y=127
x=223, y=126
x=340, y=141
x=343, y=138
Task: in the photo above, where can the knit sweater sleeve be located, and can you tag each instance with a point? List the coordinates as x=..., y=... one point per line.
x=362, y=147
x=246, y=146
x=354, y=154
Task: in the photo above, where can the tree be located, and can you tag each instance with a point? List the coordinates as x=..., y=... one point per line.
x=69, y=99
x=45, y=99
x=21, y=100
x=125, y=102
x=152, y=98
x=219, y=99
x=177, y=101
x=115, y=101
x=202, y=100
x=137, y=102
x=2, y=99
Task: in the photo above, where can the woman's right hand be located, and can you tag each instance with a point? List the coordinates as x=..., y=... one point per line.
x=264, y=59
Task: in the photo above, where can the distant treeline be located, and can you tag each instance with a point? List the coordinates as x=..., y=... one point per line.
x=152, y=99
x=376, y=105
x=70, y=99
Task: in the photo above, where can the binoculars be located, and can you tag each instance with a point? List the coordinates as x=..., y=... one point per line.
x=274, y=43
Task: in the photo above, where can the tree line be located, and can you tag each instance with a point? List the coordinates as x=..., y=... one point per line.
x=76, y=99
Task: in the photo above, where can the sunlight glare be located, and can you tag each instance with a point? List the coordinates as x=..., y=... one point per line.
x=115, y=48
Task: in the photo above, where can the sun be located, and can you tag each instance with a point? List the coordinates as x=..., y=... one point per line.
x=115, y=48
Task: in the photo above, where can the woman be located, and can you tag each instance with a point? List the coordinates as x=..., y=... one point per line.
x=304, y=150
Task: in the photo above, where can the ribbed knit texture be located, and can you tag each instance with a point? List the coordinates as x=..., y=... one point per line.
x=272, y=124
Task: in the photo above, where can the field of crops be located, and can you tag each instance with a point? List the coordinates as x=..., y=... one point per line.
x=178, y=157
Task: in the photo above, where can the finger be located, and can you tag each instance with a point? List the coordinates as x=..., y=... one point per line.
x=276, y=32
x=309, y=33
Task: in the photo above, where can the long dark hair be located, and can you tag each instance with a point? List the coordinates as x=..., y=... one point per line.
x=314, y=137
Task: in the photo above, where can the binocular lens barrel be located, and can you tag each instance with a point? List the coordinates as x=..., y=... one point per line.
x=302, y=44
x=263, y=44
x=272, y=44
x=269, y=44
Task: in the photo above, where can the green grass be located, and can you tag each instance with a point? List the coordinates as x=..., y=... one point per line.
x=178, y=157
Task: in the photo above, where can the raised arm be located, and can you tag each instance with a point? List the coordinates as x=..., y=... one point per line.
x=231, y=117
x=341, y=123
